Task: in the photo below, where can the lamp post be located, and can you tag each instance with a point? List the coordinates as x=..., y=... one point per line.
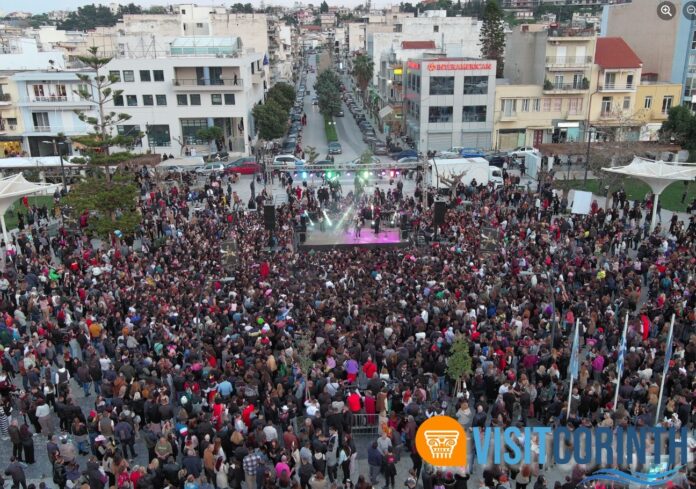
x=55, y=144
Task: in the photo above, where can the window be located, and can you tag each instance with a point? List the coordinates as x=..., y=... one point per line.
x=693, y=41
x=148, y=100
x=61, y=91
x=199, y=25
x=84, y=88
x=131, y=100
x=130, y=130
x=158, y=135
x=229, y=99
x=441, y=85
x=252, y=68
x=509, y=107
x=629, y=81
x=41, y=121
x=627, y=103
x=181, y=99
x=537, y=105
x=161, y=99
x=436, y=28
x=667, y=103
x=216, y=99
x=575, y=105
x=145, y=76
x=118, y=100
x=128, y=76
x=39, y=91
x=440, y=114
x=557, y=104
x=606, y=105
x=190, y=128
x=547, y=105
x=115, y=75
x=195, y=99
x=475, y=85
x=647, y=103
x=525, y=105
x=474, y=113
x=158, y=75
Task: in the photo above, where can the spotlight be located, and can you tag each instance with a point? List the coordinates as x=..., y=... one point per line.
x=391, y=173
x=304, y=175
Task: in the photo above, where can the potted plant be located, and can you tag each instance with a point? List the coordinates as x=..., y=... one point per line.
x=585, y=83
x=548, y=85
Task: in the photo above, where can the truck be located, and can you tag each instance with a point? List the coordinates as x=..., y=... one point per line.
x=442, y=172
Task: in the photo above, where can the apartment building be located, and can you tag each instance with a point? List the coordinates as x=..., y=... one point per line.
x=47, y=103
x=449, y=102
x=10, y=119
x=668, y=50
x=196, y=86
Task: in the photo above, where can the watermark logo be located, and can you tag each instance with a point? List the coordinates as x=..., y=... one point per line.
x=441, y=441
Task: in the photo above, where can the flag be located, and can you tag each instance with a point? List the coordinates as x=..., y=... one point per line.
x=622, y=352
x=668, y=353
x=265, y=59
x=574, y=360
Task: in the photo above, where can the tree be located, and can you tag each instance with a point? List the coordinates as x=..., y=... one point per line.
x=311, y=155
x=131, y=8
x=492, y=37
x=363, y=70
x=328, y=91
x=157, y=10
x=88, y=17
x=110, y=196
x=324, y=7
x=210, y=135
x=283, y=94
x=459, y=363
x=680, y=127
x=271, y=120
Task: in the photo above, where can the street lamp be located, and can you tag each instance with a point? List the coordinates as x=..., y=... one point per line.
x=55, y=144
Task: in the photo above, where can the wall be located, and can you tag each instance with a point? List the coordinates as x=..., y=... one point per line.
x=525, y=57
x=657, y=91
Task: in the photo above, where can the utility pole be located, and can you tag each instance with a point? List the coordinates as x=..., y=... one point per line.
x=62, y=166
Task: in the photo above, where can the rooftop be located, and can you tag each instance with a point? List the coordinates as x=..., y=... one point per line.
x=613, y=52
x=204, y=45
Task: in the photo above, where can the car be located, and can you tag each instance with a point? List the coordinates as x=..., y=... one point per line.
x=339, y=113
x=408, y=159
x=379, y=148
x=335, y=148
x=496, y=159
x=520, y=151
x=369, y=139
x=406, y=154
x=287, y=161
x=210, y=168
x=243, y=166
x=289, y=145
x=296, y=117
x=315, y=101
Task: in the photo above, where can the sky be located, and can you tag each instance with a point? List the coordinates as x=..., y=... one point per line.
x=39, y=6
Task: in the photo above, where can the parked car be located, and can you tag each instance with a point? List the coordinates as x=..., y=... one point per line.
x=315, y=101
x=405, y=154
x=210, y=168
x=369, y=139
x=243, y=166
x=289, y=146
x=339, y=113
x=287, y=161
x=408, y=159
x=496, y=159
x=335, y=148
x=520, y=151
x=379, y=148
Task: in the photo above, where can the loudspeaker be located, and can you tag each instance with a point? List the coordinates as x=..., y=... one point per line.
x=269, y=218
x=439, y=212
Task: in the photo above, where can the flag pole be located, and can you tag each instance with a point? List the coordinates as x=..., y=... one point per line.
x=575, y=347
x=668, y=355
x=619, y=362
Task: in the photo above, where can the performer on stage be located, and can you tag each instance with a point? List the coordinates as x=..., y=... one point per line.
x=377, y=218
x=358, y=223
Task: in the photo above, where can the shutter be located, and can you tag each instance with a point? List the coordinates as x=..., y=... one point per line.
x=439, y=141
x=507, y=141
x=480, y=140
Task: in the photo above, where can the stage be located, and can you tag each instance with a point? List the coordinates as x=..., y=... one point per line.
x=334, y=239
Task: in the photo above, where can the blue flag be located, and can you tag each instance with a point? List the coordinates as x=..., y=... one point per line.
x=622, y=352
x=668, y=354
x=574, y=355
x=265, y=59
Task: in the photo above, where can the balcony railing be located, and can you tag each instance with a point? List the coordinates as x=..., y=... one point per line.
x=566, y=87
x=568, y=60
x=207, y=82
x=618, y=86
x=42, y=128
x=5, y=97
x=50, y=98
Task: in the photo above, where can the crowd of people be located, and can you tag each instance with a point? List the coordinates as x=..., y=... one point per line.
x=162, y=360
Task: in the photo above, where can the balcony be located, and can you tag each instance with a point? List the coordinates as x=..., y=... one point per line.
x=617, y=87
x=508, y=116
x=559, y=88
x=54, y=100
x=207, y=84
x=5, y=99
x=567, y=61
x=42, y=128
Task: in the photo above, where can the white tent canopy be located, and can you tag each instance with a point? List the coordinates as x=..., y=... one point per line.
x=14, y=187
x=657, y=174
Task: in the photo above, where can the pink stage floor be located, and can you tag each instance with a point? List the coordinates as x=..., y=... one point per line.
x=332, y=238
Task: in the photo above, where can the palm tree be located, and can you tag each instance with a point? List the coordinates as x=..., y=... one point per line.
x=363, y=69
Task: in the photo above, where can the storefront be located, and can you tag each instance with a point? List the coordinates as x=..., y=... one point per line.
x=10, y=146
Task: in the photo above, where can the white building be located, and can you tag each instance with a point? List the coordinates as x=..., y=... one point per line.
x=449, y=102
x=170, y=98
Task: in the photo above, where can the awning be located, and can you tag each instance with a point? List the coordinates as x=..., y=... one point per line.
x=385, y=111
x=10, y=138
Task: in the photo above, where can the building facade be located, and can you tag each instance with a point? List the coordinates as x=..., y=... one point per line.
x=171, y=98
x=449, y=102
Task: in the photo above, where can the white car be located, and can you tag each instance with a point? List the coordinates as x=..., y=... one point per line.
x=520, y=151
x=287, y=161
x=211, y=168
